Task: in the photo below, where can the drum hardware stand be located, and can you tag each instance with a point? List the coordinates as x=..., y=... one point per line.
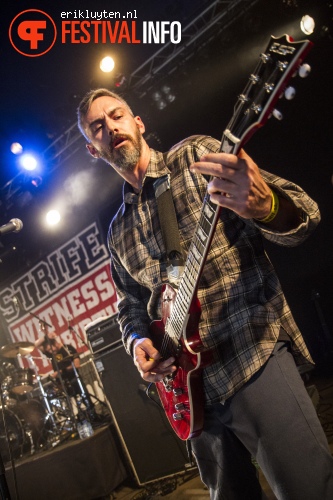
x=50, y=414
x=43, y=325
x=32, y=444
x=84, y=394
x=68, y=400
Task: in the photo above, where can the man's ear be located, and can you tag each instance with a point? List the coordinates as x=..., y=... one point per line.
x=92, y=150
x=140, y=124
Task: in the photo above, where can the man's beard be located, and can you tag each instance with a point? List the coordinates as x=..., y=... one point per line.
x=125, y=157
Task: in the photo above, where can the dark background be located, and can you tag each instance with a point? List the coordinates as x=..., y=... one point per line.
x=38, y=104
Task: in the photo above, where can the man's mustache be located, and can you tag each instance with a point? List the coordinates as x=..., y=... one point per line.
x=118, y=138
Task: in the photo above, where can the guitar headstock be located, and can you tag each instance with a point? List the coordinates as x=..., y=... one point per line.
x=281, y=60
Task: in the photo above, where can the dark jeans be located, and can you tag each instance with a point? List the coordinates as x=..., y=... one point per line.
x=272, y=419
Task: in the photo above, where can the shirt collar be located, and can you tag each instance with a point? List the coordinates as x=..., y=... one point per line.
x=156, y=168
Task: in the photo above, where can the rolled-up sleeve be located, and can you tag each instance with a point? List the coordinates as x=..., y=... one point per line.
x=309, y=211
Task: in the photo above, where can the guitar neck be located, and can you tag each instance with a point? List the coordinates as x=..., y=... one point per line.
x=254, y=106
x=193, y=267
x=198, y=251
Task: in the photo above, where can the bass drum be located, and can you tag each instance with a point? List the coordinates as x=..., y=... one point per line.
x=11, y=435
x=25, y=430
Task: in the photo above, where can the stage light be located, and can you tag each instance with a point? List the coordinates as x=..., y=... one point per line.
x=16, y=148
x=161, y=104
x=120, y=80
x=53, y=217
x=107, y=64
x=28, y=162
x=163, y=97
x=36, y=181
x=157, y=96
x=166, y=89
x=307, y=25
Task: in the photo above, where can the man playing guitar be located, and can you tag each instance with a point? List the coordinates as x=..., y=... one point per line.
x=254, y=401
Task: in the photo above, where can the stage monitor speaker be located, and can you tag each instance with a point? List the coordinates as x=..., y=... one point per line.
x=153, y=449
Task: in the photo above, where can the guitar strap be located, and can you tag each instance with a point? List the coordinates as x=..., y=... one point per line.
x=170, y=234
x=169, y=228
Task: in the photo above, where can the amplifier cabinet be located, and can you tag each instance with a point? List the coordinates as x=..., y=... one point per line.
x=103, y=333
x=152, y=448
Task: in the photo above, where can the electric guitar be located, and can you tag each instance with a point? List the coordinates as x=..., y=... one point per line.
x=177, y=333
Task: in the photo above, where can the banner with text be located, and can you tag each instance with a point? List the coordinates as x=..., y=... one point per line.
x=66, y=290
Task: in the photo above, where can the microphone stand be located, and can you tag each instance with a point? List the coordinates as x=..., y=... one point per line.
x=4, y=491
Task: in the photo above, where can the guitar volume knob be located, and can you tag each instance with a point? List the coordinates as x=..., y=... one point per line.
x=304, y=70
x=177, y=416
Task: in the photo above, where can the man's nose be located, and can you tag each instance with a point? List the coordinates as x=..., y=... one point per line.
x=112, y=127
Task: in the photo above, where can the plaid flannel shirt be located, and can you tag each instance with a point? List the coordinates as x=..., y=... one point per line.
x=243, y=306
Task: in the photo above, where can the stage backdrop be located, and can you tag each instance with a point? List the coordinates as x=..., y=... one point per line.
x=67, y=289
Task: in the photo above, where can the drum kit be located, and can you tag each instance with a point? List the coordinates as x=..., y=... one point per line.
x=35, y=413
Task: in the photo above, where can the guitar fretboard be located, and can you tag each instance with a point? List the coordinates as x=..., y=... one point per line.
x=253, y=108
x=193, y=268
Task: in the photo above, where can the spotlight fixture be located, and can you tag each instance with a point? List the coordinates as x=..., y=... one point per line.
x=16, y=148
x=36, y=181
x=307, y=24
x=159, y=101
x=161, y=104
x=120, y=80
x=28, y=162
x=106, y=64
x=53, y=217
x=163, y=97
x=157, y=96
x=166, y=89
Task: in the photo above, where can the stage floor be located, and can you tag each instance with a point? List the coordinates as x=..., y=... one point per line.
x=87, y=469
x=95, y=469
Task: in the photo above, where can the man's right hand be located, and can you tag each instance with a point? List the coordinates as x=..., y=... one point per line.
x=148, y=361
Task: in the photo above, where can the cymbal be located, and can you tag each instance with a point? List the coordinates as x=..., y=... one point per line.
x=12, y=350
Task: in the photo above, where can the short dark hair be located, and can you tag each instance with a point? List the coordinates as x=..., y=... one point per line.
x=48, y=341
x=87, y=101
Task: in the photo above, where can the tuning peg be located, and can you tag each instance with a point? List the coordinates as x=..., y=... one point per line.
x=289, y=93
x=304, y=70
x=277, y=114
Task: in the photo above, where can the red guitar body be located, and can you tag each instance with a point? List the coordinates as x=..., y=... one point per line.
x=182, y=394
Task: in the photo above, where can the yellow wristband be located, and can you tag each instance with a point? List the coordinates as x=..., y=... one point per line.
x=274, y=209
